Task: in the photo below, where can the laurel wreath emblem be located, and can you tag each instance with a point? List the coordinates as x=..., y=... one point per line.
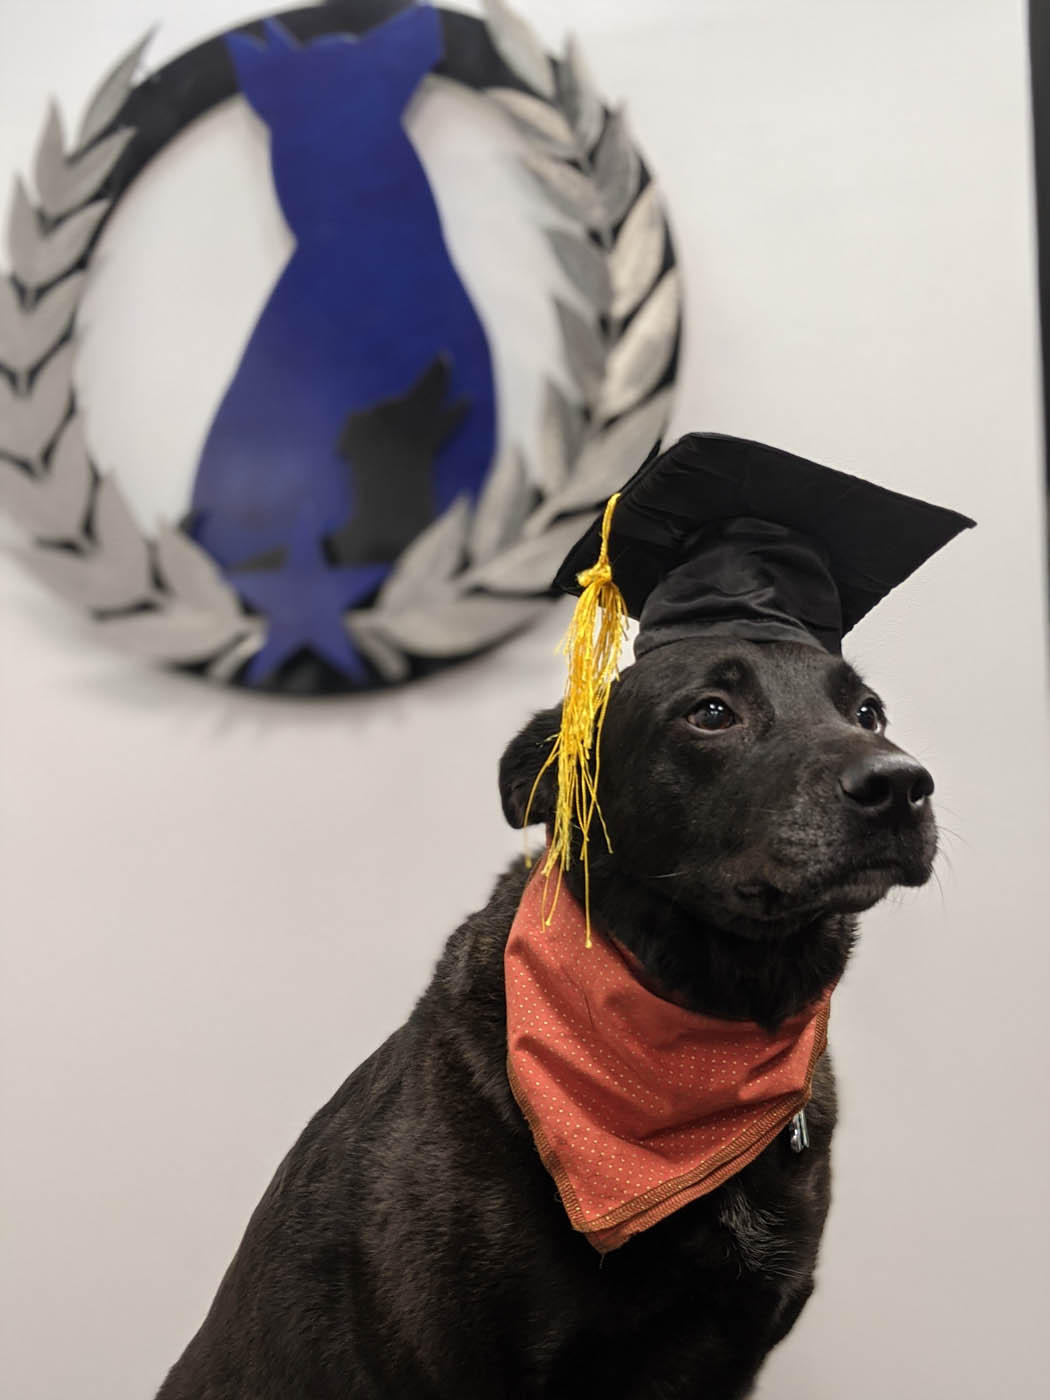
x=476, y=574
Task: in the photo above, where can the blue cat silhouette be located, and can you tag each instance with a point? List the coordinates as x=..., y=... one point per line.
x=367, y=302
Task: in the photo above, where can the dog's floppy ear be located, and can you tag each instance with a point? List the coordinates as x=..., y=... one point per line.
x=522, y=760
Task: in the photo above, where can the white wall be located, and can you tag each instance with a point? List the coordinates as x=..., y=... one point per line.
x=214, y=905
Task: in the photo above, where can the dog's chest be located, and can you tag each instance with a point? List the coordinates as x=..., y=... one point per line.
x=760, y=1235
x=692, y=1305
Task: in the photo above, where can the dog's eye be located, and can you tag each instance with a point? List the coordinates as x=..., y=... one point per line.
x=870, y=716
x=712, y=715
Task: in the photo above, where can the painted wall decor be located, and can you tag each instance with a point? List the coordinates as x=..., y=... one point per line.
x=351, y=522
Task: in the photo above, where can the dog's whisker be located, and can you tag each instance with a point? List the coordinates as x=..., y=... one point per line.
x=940, y=890
x=955, y=835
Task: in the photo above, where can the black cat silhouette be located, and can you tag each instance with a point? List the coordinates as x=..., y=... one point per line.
x=390, y=449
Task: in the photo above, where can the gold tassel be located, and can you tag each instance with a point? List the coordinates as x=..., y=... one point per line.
x=592, y=646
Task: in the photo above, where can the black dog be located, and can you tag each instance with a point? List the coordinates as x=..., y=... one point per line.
x=412, y=1246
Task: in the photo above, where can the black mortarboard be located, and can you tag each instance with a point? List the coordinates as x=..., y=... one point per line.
x=722, y=536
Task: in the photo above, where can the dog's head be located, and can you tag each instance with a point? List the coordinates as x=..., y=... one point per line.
x=751, y=785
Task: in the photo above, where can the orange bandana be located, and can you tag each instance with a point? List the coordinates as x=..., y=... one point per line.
x=637, y=1106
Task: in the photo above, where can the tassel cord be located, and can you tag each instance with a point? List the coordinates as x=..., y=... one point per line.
x=592, y=647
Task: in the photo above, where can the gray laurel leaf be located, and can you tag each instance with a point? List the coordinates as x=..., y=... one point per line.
x=579, y=97
x=64, y=185
x=584, y=264
x=23, y=500
x=530, y=565
x=562, y=429
x=458, y=627
x=429, y=561
x=193, y=576
x=366, y=632
x=502, y=508
x=114, y=574
x=29, y=422
x=108, y=98
x=585, y=351
x=27, y=334
x=226, y=665
x=173, y=633
x=617, y=168
x=606, y=461
x=639, y=359
x=567, y=188
x=120, y=541
x=38, y=258
x=539, y=121
x=520, y=49
x=51, y=506
x=638, y=254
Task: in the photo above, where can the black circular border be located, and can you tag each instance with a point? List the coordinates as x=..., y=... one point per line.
x=166, y=102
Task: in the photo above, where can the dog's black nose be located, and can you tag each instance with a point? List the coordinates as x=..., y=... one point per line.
x=881, y=784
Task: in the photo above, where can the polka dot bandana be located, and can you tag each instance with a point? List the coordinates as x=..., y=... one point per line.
x=637, y=1106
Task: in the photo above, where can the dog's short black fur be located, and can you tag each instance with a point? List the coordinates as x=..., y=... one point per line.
x=412, y=1245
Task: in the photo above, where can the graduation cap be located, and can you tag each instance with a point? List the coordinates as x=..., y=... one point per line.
x=719, y=536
